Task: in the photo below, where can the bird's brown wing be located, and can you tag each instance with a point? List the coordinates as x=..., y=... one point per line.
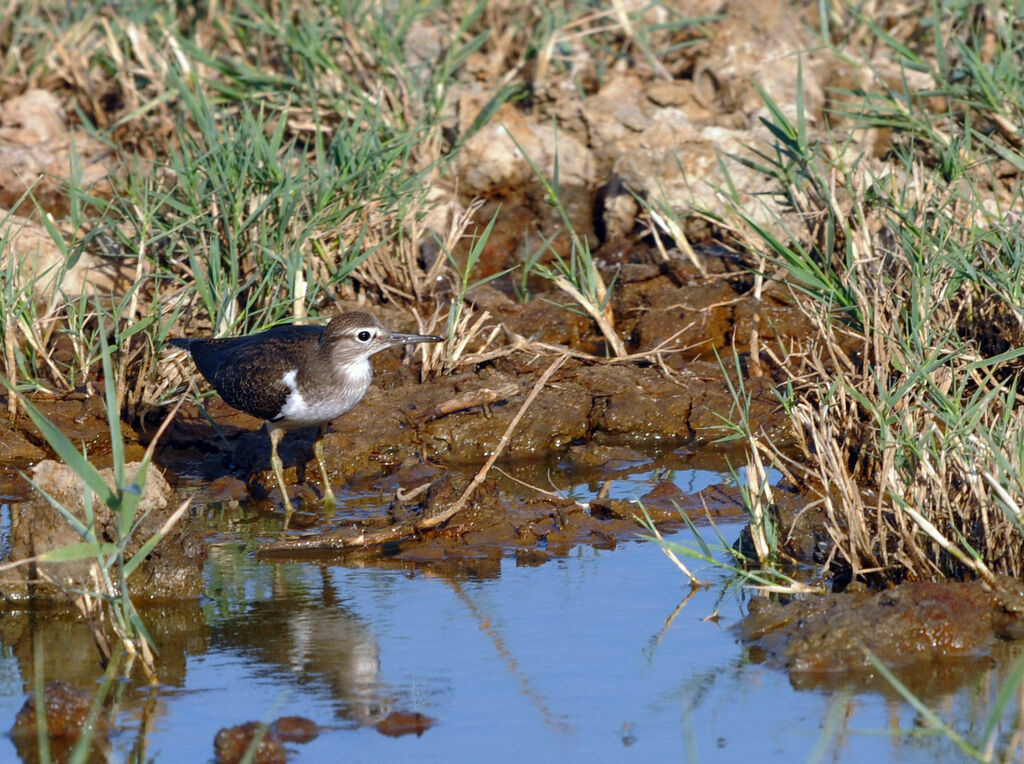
x=247, y=371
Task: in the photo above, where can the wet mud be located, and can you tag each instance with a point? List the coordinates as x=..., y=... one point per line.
x=410, y=449
x=933, y=635
x=231, y=745
x=66, y=708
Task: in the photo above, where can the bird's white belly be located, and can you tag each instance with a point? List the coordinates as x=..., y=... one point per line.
x=303, y=411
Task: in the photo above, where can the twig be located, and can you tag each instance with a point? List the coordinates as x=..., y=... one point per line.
x=755, y=324
x=344, y=538
x=519, y=342
x=436, y=520
x=480, y=397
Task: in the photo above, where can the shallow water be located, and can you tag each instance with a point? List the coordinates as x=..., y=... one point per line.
x=600, y=655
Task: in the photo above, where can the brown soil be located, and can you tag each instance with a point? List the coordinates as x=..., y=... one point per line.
x=914, y=629
x=66, y=709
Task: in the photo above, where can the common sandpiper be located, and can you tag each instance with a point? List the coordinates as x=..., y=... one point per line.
x=297, y=376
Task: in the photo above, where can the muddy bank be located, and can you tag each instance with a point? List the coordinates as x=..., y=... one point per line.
x=667, y=395
x=400, y=418
x=417, y=428
x=173, y=569
x=933, y=635
x=421, y=437
x=502, y=518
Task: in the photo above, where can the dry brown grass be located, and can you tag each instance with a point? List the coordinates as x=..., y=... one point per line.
x=910, y=424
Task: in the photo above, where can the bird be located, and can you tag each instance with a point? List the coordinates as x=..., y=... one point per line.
x=296, y=376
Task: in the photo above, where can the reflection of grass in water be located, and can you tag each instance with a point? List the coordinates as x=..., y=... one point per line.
x=983, y=749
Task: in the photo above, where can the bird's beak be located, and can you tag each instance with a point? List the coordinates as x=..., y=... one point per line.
x=394, y=338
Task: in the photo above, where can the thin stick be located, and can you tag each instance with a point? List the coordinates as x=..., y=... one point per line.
x=436, y=520
x=344, y=539
x=755, y=324
x=481, y=397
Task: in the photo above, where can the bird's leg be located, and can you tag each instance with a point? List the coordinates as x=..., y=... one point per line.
x=330, y=501
x=276, y=433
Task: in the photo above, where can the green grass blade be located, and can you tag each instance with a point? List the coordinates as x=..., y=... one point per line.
x=926, y=713
x=73, y=552
x=110, y=399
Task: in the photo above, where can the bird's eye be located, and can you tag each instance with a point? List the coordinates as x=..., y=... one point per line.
x=364, y=336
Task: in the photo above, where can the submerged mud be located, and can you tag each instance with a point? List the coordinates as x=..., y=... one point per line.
x=415, y=442
x=65, y=710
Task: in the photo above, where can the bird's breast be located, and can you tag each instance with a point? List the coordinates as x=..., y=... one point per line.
x=321, y=399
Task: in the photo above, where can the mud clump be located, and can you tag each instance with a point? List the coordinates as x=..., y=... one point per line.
x=232, y=743
x=824, y=640
x=16, y=453
x=296, y=729
x=66, y=709
x=399, y=723
x=173, y=570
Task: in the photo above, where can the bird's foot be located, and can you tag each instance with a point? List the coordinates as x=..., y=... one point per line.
x=330, y=501
x=275, y=464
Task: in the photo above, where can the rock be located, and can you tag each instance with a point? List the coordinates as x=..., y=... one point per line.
x=35, y=152
x=492, y=161
x=40, y=262
x=667, y=140
x=36, y=155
